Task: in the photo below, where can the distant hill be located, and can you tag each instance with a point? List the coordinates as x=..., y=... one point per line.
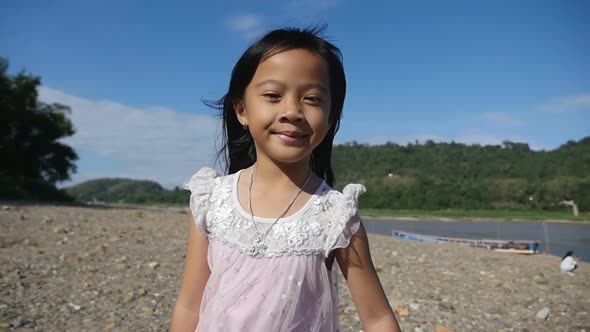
x=454, y=175
x=456, y=161
x=429, y=176
x=124, y=191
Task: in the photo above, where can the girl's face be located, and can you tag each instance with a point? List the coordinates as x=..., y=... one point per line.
x=287, y=105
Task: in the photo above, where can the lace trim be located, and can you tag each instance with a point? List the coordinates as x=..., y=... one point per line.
x=346, y=221
x=270, y=253
x=201, y=185
x=328, y=221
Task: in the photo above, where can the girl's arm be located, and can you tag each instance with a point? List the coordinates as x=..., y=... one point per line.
x=369, y=298
x=185, y=316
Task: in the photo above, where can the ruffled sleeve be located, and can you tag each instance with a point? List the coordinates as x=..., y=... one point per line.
x=346, y=218
x=201, y=185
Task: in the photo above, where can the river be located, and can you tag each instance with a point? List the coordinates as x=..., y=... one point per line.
x=561, y=236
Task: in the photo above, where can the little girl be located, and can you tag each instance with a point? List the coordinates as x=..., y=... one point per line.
x=260, y=256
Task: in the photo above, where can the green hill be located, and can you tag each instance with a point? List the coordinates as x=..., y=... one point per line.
x=124, y=191
x=453, y=175
x=429, y=176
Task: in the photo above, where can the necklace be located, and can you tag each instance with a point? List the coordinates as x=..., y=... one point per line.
x=257, y=244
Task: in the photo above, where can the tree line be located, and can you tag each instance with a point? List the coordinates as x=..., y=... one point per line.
x=452, y=175
x=429, y=176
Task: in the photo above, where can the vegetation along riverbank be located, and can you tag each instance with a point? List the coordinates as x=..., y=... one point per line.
x=475, y=215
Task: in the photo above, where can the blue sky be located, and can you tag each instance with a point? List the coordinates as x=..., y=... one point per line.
x=135, y=72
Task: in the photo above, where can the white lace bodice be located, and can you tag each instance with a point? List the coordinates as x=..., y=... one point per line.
x=326, y=222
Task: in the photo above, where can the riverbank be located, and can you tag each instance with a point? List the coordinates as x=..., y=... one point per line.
x=476, y=215
x=113, y=269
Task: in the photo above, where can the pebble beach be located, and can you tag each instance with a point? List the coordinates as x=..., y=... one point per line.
x=66, y=268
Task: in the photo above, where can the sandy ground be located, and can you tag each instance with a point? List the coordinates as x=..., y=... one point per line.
x=115, y=269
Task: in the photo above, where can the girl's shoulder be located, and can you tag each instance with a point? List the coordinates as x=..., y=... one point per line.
x=348, y=197
x=205, y=186
x=205, y=180
x=340, y=211
x=338, y=207
x=203, y=174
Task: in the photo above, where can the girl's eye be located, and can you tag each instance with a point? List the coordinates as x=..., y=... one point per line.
x=313, y=100
x=273, y=97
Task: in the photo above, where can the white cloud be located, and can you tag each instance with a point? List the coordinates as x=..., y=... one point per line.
x=476, y=137
x=149, y=143
x=382, y=139
x=473, y=137
x=502, y=119
x=568, y=104
x=248, y=24
x=312, y=5
x=470, y=137
x=425, y=137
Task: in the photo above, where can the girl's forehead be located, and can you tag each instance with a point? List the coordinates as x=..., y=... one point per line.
x=292, y=65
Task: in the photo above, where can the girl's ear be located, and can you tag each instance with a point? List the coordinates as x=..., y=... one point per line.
x=241, y=112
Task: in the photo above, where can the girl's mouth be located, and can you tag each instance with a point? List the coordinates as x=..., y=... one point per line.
x=290, y=137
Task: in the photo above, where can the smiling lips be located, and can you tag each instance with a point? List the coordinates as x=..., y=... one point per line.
x=290, y=137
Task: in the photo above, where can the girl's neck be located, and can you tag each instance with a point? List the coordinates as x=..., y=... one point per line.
x=282, y=175
x=274, y=186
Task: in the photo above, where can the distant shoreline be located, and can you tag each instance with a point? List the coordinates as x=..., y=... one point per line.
x=466, y=219
x=377, y=214
x=417, y=216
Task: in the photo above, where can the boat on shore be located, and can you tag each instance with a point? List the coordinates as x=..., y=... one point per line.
x=527, y=247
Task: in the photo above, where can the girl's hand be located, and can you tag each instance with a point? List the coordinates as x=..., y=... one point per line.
x=369, y=298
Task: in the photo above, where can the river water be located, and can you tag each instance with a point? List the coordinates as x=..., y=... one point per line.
x=561, y=236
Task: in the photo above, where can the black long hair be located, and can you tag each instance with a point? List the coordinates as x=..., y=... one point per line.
x=237, y=150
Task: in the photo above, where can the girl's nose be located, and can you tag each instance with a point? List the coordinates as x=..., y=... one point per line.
x=293, y=111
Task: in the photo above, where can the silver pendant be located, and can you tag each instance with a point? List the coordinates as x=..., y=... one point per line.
x=257, y=245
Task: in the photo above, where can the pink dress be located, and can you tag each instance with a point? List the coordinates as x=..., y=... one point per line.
x=284, y=287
